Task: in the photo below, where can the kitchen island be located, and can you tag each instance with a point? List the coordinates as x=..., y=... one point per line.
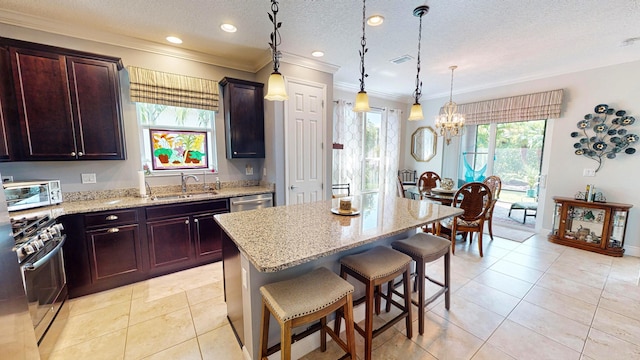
x=274, y=244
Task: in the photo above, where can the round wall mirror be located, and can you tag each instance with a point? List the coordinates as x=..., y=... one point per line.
x=423, y=143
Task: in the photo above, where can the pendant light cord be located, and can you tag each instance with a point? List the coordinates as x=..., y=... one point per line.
x=451, y=90
x=364, y=50
x=418, y=92
x=275, y=35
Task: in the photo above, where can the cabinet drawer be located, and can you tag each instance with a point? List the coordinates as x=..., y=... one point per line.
x=108, y=218
x=172, y=210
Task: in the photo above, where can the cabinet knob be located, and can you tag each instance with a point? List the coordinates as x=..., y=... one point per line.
x=195, y=221
x=112, y=217
x=186, y=222
x=73, y=153
x=80, y=153
x=113, y=230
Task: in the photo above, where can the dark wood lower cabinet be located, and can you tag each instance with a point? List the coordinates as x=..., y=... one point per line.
x=121, y=243
x=113, y=248
x=170, y=242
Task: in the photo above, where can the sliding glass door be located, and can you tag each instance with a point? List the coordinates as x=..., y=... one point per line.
x=512, y=151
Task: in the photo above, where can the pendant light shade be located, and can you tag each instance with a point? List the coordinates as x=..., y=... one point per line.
x=276, y=90
x=416, y=108
x=362, y=99
x=362, y=102
x=416, y=112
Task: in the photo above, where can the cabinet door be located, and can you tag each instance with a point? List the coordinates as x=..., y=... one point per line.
x=41, y=87
x=208, y=238
x=170, y=242
x=244, y=119
x=114, y=252
x=96, y=102
x=6, y=100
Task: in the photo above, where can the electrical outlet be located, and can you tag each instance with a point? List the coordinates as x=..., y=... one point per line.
x=589, y=172
x=7, y=178
x=264, y=172
x=89, y=178
x=248, y=170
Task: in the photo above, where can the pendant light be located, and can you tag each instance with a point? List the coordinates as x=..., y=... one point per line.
x=416, y=108
x=362, y=99
x=276, y=90
x=449, y=123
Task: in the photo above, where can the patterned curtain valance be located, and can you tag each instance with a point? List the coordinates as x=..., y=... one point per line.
x=156, y=87
x=538, y=106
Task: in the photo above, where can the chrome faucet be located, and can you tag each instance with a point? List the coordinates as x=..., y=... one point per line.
x=184, y=179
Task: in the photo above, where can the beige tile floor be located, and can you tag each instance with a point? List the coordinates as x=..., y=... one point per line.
x=534, y=300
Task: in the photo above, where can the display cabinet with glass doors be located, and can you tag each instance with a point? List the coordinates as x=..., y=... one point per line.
x=594, y=226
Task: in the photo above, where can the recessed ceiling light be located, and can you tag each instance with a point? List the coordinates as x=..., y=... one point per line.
x=317, y=54
x=174, y=40
x=375, y=20
x=228, y=28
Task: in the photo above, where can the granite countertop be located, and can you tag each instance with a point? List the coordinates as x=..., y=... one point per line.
x=295, y=234
x=122, y=202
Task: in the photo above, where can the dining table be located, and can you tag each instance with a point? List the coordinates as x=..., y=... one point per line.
x=442, y=196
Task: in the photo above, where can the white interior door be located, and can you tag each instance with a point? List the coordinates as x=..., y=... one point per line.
x=305, y=124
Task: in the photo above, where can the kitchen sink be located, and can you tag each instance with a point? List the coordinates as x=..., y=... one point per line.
x=183, y=196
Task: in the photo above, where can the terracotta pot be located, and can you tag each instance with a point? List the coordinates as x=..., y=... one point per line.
x=164, y=159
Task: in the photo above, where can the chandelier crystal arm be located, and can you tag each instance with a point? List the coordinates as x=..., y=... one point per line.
x=449, y=123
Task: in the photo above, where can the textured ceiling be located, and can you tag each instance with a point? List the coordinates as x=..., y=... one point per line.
x=493, y=42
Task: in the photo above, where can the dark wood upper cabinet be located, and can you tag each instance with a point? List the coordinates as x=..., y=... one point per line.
x=7, y=104
x=243, y=118
x=68, y=104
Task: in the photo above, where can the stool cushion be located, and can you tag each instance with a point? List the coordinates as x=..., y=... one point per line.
x=306, y=294
x=423, y=246
x=376, y=263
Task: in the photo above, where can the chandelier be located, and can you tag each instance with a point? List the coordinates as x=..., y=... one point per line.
x=362, y=99
x=416, y=108
x=449, y=123
x=276, y=90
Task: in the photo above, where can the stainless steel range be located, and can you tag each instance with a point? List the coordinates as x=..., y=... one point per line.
x=38, y=245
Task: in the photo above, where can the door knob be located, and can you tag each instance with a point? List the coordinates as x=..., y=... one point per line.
x=293, y=187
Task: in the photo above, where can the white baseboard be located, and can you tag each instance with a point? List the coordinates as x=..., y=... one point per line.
x=632, y=251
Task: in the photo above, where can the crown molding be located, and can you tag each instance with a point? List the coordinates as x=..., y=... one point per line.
x=309, y=63
x=379, y=94
x=59, y=28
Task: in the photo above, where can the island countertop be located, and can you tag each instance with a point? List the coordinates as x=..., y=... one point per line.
x=277, y=238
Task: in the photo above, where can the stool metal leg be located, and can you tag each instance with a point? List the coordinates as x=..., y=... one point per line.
x=420, y=269
x=447, y=280
x=368, y=321
x=406, y=281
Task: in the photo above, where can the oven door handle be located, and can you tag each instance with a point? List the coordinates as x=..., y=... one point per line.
x=34, y=266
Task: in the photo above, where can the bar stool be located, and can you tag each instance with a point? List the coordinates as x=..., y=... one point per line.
x=373, y=268
x=425, y=248
x=302, y=300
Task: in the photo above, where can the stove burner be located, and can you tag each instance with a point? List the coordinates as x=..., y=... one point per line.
x=26, y=227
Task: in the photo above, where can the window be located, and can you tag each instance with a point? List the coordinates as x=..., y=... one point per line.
x=176, y=138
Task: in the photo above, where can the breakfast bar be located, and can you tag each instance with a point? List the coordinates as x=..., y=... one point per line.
x=273, y=244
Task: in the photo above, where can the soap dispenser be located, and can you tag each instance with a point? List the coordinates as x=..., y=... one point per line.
x=218, y=183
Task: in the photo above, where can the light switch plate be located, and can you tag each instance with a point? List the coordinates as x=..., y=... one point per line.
x=589, y=172
x=89, y=178
x=248, y=170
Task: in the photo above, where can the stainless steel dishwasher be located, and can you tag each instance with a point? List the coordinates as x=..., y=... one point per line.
x=251, y=202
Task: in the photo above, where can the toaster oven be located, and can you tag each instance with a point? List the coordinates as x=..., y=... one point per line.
x=31, y=194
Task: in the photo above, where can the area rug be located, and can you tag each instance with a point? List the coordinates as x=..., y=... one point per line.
x=510, y=233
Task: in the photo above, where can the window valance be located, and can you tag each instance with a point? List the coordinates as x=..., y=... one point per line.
x=537, y=106
x=158, y=87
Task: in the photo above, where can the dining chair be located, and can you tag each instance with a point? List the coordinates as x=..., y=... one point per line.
x=427, y=181
x=338, y=190
x=475, y=199
x=400, y=188
x=408, y=177
x=495, y=184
